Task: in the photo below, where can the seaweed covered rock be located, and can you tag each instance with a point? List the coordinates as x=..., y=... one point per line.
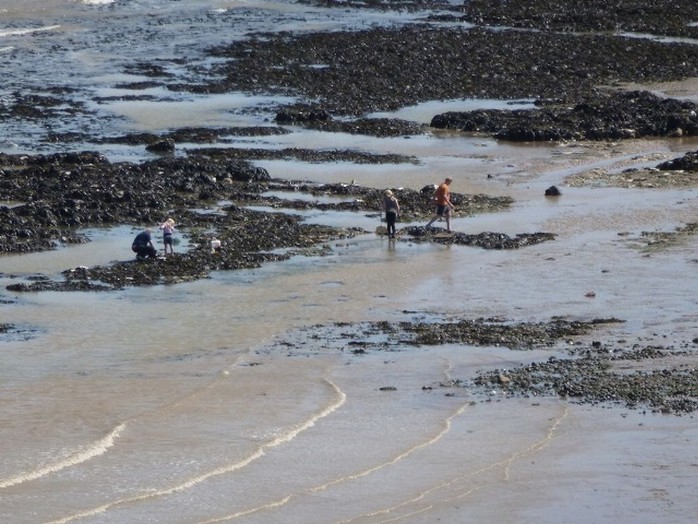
x=484, y=240
x=54, y=195
x=299, y=114
x=688, y=162
x=616, y=115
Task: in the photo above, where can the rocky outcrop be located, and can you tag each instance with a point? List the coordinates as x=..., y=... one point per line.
x=605, y=116
x=688, y=162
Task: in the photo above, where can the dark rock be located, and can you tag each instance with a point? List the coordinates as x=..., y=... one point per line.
x=688, y=162
x=485, y=240
x=384, y=69
x=619, y=115
x=643, y=16
x=302, y=114
x=162, y=146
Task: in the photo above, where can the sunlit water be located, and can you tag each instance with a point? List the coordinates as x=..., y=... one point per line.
x=214, y=401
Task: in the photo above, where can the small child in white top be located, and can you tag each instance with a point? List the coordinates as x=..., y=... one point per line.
x=168, y=227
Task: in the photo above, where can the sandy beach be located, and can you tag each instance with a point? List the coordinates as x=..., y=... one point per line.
x=296, y=388
x=228, y=398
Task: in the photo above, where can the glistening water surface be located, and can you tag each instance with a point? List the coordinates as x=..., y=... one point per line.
x=233, y=398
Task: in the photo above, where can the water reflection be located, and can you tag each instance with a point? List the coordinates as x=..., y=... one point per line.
x=105, y=246
x=424, y=112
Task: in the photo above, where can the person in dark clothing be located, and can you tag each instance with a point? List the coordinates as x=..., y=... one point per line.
x=143, y=246
x=392, y=209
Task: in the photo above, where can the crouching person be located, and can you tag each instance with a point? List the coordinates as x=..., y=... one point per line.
x=143, y=246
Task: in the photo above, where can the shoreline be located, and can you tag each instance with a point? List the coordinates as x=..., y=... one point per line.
x=313, y=371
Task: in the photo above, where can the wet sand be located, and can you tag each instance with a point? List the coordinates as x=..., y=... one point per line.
x=226, y=399
x=241, y=397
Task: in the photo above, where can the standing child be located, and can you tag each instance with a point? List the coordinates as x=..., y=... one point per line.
x=167, y=230
x=392, y=209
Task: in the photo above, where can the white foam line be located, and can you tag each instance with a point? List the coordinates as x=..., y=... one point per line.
x=20, y=32
x=97, y=2
x=98, y=448
x=506, y=464
x=447, y=427
x=397, y=458
x=281, y=439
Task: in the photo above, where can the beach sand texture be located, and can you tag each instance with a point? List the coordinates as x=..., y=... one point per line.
x=239, y=397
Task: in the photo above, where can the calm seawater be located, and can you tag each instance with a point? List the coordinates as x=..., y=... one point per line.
x=222, y=400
